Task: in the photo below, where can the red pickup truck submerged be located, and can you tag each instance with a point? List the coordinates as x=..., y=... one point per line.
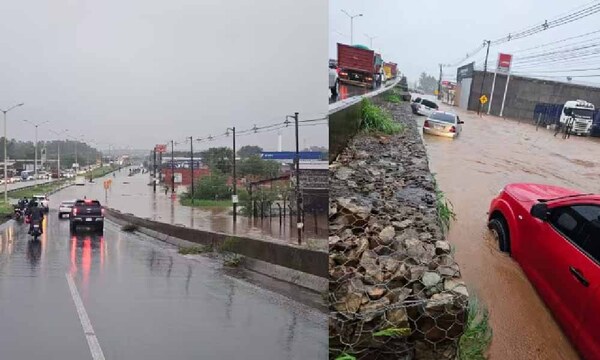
x=554, y=234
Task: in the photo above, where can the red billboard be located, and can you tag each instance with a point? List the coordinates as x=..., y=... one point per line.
x=504, y=61
x=160, y=148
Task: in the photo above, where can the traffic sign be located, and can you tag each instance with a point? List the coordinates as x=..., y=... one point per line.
x=483, y=99
x=435, y=92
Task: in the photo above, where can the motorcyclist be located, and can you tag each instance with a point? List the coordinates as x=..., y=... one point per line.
x=36, y=214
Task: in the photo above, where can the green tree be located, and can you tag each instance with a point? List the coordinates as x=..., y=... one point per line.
x=219, y=159
x=256, y=166
x=247, y=151
x=427, y=83
x=212, y=187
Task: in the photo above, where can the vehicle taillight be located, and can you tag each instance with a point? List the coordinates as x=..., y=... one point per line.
x=102, y=211
x=343, y=73
x=452, y=129
x=74, y=211
x=426, y=124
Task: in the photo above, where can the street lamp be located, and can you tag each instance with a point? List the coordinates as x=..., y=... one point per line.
x=58, y=151
x=370, y=40
x=234, y=199
x=351, y=24
x=5, y=156
x=36, y=125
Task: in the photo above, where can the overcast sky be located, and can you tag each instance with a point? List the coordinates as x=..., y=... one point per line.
x=419, y=35
x=140, y=72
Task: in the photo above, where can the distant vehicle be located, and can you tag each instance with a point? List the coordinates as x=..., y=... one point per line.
x=65, y=208
x=334, y=84
x=80, y=181
x=357, y=65
x=580, y=113
x=16, y=179
x=87, y=212
x=443, y=123
x=43, y=201
x=390, y=69
x=554, y=234
x=27, y=175
x=424, y=107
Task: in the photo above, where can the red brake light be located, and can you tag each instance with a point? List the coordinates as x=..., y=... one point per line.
x=74, y=211
x=102, y=211
x=343, y=73
x=426, y=124
x=452, y=129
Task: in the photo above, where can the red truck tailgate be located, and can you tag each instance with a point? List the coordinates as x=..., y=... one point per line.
x=357, y=59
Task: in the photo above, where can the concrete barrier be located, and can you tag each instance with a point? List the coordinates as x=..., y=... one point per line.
x=301, y=266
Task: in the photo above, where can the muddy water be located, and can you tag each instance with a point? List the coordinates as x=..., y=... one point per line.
x=489, y=154
x=131, y=194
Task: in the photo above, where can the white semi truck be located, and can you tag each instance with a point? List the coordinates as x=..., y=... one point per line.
x=579, y=115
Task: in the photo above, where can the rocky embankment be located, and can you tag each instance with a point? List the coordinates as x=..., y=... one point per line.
x=395, y=289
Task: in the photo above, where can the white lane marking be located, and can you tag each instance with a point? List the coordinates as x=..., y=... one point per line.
x=88, y=330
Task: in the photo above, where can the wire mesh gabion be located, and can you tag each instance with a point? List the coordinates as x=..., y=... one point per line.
x=395, y=290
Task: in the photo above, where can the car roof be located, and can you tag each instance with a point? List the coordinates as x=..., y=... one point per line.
x=444, y=112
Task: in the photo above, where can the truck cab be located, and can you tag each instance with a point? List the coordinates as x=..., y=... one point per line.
x=579, y=114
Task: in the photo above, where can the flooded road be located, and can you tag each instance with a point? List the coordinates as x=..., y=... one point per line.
x=132, y=194
x=490, y=153
x=143, y=300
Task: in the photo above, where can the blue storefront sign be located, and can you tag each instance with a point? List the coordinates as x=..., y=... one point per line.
x=290, y=155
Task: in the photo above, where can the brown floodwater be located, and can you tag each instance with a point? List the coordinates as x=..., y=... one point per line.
x=490, y=153
x=132, y=194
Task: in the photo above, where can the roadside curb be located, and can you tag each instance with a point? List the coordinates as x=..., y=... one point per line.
x=290, y=264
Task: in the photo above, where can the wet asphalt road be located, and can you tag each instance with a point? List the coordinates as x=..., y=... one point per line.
x=144, y=301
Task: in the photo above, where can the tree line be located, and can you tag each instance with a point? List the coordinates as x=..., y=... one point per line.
x=20, y=150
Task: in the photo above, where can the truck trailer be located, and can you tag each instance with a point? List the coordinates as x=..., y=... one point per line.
x=357, y=65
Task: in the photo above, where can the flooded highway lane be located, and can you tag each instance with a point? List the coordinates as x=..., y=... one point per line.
x=490, y=153
x=132, y=194
x=143, y=300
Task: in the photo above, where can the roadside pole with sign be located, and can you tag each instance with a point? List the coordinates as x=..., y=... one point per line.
x=503, y=67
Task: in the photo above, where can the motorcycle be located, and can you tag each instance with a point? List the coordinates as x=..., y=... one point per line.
x=36, y=230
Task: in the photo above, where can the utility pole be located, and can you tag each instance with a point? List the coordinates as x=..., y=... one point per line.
x=439, y=96
x=154, y=170
x=487, y=53
x=299, y=223
x=192, y=166
x=172, y=167
x=370, y=40
x=234, y=197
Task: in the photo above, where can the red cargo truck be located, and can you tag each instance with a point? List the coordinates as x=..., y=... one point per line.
x=357, y=65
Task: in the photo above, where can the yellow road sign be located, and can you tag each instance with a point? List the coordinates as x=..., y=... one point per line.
x=435, y=92
x=483, y=99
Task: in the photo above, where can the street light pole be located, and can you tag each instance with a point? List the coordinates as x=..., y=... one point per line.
x=58, y=151
x=234, y=198
x=192, y=166
x=172, y=167
x=351, y=25
x=370, y=40
x=5, y=155
x=35, y=167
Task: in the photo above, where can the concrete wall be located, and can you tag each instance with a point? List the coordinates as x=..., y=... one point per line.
x=524, y=93
x=301, y=259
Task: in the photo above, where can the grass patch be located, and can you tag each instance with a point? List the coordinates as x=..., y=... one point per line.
x=392, y=97
x=99, y=172
x=6, y=211
x=392, y=332
x=477, y=337
x=129, y=228
x=194, y=250
x=377, y=120
x=345, y=356
x=233, y=260
x=205, y=203
x=36, y=190
x=445, y=209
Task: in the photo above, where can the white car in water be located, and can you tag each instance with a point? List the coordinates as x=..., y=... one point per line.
x=443, y=123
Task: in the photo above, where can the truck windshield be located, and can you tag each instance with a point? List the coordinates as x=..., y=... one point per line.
x=582, y=113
